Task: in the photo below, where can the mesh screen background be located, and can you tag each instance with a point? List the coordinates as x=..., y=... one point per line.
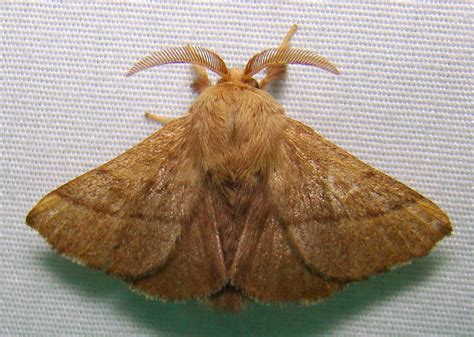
x=403, y=104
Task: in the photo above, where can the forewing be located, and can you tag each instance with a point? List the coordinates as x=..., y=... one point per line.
x=267, y=268
x=346, y=219
x=126, y=215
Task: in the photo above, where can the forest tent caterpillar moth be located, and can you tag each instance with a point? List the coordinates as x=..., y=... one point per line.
x=236, y=201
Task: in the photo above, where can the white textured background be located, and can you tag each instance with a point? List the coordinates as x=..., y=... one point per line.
x=403, y=104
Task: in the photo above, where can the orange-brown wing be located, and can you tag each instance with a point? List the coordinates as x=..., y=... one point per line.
x=127, y=216
x=346, y=219
x=196, y=269
x=267, y=268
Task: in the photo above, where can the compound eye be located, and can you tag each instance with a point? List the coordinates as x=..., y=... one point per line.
x=253, y=83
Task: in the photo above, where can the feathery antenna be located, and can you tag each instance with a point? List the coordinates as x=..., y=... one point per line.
x=188, y=54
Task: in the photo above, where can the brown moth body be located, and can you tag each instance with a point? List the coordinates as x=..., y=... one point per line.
x=236, y=201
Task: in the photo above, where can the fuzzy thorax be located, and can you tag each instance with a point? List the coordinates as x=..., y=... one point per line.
x=236, y=131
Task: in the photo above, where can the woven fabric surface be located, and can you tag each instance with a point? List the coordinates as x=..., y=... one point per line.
x=403, y=103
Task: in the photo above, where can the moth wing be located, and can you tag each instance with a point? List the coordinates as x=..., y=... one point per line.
x=268, y=269
x=346, y=219
x=127, y=215
x=196, y=269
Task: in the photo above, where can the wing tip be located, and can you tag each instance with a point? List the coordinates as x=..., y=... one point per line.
x=46, y=203
x=441, y=221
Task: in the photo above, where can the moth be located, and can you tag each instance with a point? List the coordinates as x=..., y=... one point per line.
x=235, y=201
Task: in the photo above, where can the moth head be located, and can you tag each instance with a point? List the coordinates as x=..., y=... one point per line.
x=238, y=76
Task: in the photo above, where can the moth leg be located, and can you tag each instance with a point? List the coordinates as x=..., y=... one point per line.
x=277, y=71
x=161, y=119
x=286, y=40
x=201, y=80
